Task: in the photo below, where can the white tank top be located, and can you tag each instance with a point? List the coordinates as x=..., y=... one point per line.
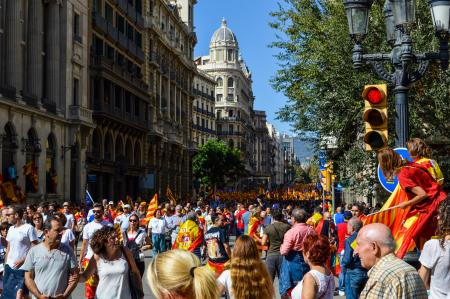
x=325, y=284
x=113, y=279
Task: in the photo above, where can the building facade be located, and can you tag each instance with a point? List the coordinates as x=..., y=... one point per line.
x=262, y=150
x=118, y=96
x=233, y=92
x=203, y=116
x=276, y=155
x=287, y=144
x=169, y=42
x=44, y=117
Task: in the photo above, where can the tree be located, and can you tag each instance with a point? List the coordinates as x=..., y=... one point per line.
x=324, y=91
x=216, y=164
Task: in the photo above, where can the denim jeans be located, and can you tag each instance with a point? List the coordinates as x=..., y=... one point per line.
x=158, y=241
x=13, y=281
x=293, y=268
x=273, y=263
x=354, y=283
x=341, y=274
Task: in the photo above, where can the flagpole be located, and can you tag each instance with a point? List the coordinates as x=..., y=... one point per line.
x=381, y=211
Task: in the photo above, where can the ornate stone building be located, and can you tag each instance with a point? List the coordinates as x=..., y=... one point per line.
x=44, y=119
x=169, y=42
x=203, y=117
x=234, y=95
x=118, y=96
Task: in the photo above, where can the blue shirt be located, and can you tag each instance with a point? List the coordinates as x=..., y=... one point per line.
x=338, y=218
x=245, y=220
x=267, y=220
x=349, y=261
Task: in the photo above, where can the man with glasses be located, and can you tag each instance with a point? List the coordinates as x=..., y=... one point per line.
x=50, y=264
x=88, y=231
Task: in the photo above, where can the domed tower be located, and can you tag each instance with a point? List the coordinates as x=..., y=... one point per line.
x=224, y=46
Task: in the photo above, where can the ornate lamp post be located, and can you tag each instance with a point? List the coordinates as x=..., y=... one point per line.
x=399, y=16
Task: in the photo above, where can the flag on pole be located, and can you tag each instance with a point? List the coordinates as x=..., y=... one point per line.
x=88, y=198
x=170, y=195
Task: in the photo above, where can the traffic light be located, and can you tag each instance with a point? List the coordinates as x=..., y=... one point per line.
x=375, y=116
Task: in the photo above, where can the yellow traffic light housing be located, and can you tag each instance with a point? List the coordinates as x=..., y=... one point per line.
x=375, y=116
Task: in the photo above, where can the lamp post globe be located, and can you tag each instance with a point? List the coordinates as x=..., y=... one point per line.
x=440, y=13
x=389, y=22
x=404, y=12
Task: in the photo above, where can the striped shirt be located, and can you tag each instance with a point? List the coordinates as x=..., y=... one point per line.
x=393, y=278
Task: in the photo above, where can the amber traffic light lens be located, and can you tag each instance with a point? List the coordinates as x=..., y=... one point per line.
x=374, y=95
x=375, y=140
x=374, y=117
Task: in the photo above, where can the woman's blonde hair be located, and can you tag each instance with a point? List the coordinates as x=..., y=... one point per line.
x=180, y=272
x=249, y=276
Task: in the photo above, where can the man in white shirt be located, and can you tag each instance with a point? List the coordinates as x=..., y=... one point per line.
x=70, y=223
x=88, y=231
x=21, y=236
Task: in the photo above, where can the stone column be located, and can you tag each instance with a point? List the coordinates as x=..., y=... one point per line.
x=13, y=45
x=34, y=49
x=52, y=50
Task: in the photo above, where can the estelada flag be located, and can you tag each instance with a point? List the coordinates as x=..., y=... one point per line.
x=170, y=195
x=151, y=209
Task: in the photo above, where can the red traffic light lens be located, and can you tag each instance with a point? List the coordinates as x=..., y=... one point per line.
x=374, y=95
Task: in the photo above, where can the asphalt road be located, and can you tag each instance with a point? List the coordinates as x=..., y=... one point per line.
x=79, y=291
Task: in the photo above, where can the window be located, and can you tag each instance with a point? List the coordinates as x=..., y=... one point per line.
x=76, y=86
x=138, y=6
x=203, y=106
x=107, y=92
x=76, y=27
x=127, y=102
x=109, y=13
x=110, y=51
x=219, y=128
x=230, y=56
x=120, y=23
x=230, y=97
x=198, y=121
x=136, y=107
x=219, y=113
x=98, y=45
x=203, y=123
x=219, y=82
x=219, y=97
x=138, y=39
x=118, y=97
x=230, y=82
x=230, y=113
x=97, y=7
x=231, y=129
x=130, y=31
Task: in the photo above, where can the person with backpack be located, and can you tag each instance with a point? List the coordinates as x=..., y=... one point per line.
x=137, y=241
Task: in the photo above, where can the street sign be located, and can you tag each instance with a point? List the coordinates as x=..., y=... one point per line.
x=389, y=185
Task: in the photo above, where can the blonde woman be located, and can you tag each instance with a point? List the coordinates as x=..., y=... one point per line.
x=178, y=274
x=248, y=277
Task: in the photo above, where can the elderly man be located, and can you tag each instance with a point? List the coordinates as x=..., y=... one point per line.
x=389, y=276
x=293, y=266
x=355, y=276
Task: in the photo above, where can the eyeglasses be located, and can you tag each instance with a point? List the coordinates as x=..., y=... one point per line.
x=133, y=220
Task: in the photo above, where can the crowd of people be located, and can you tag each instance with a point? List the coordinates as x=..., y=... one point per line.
x=305, y=245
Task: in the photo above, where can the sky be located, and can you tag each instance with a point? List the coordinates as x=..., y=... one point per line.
x=249, y=20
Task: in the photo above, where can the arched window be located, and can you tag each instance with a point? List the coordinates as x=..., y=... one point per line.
x=108, y=149
x=118, y=152
x=230, y=82
x=129, y=152
x=9, y=149
x=230, y=56
x=50, y=164
x=33, y=149
x=219, y=82
x=137, y=154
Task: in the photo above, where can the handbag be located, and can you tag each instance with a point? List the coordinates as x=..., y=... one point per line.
x=135, y=288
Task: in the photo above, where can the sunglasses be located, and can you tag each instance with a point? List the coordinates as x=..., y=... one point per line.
x=133, y=220
x=37, y=218
x=97, y=212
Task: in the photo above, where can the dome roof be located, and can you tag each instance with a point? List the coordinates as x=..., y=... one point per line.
x=223, y=35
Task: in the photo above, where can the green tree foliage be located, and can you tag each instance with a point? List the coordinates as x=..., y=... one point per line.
x=216, y=164
x=316, y=74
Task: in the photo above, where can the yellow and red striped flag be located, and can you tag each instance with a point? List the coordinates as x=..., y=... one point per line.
x=152, y=207
x=170, y=195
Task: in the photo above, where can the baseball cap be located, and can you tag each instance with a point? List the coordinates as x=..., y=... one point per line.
x=143, y=203
x=127, y=206
x=111, y=202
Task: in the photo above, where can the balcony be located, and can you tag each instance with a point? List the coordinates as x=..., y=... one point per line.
x=99, y=23
x=140, y=22
x=123, y=5
x=112, y=31
x=80, y=114
x=131, y=12
x=131, y=47
x=140, y=54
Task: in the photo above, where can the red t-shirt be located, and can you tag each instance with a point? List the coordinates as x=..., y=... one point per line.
x=240, y=224
x=342, y=234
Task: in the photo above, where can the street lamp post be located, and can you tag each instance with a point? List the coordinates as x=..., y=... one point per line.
x=399, y=16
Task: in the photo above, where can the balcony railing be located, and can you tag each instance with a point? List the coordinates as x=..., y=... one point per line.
x=99, y=23
x=80, y=113
x=123, y=40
